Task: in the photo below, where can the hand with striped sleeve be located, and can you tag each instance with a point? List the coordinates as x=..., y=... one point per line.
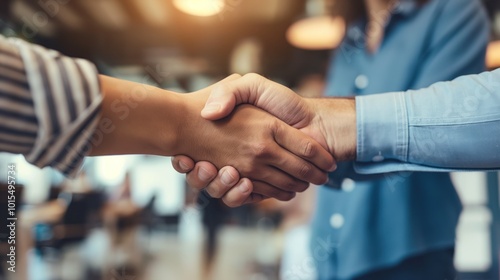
x=279, y=159
x=55, y=110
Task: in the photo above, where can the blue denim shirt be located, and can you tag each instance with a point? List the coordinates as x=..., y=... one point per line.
x=375, y=221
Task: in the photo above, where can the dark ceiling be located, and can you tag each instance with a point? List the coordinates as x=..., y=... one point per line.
x=127, y=32
x=123, y=32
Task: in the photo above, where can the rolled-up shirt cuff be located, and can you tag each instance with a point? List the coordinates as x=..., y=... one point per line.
x=382, y=128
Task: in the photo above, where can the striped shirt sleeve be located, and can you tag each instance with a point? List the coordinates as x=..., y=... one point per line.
x=49, y=105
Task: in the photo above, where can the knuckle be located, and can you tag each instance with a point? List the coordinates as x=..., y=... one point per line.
x=309, y=149
x=260, y=149
x=235, y=75
x=305, y=170
x=247, y=170
x=275, y=127
x=253, y=76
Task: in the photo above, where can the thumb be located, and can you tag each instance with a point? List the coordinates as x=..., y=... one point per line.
x=220, y=103
x=226, y=95
x=256, y=90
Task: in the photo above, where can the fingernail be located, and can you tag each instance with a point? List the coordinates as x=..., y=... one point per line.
x=183, y=166
x=244, y=188
x=211, y=108
x=334, y=167
x=226, y=178
x=204, y=175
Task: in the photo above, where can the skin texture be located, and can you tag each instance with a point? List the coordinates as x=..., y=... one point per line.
x=279, y=159
x=330, y=121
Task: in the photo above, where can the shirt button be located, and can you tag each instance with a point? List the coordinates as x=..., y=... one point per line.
x=361, y=82
x=378, y=158
x=355, y=33
x=336, y=221
x=348, y=185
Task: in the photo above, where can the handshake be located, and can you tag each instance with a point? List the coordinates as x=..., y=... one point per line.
x=257, y=139
x=246, y=138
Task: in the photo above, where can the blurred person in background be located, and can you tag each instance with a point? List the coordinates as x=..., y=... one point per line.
x=394, y=225
x=399, y=225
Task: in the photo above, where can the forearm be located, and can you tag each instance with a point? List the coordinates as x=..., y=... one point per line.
x=137, y=119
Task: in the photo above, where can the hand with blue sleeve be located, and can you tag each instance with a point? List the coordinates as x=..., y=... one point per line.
x=304, y=114
x=367, y=129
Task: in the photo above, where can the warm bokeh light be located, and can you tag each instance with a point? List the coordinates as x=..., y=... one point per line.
x=493, y=55
x=316, y=33
x=246, y=57
x=202, y=8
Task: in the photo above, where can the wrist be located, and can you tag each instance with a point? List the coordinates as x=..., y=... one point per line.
x=190, y=125
x=139, y=119
x=336, y=118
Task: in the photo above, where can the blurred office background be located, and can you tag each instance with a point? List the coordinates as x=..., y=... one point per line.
x=133, y=217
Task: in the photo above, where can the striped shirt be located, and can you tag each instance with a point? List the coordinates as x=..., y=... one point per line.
x=49, y=105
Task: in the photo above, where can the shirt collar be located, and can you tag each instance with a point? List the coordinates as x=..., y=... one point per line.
x=402, y=8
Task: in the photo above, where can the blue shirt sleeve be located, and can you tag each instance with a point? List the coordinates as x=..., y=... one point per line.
x=450, y=126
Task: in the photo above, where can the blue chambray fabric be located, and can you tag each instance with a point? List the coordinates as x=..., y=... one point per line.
x=376, y=221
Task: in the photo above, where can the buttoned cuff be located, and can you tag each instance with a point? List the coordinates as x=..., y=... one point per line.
x=382, y=128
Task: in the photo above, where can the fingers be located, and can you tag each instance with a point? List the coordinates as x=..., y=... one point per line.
x=240, y=194
x=226, y=179
x=281, y=156
x=267, y=191
x=246, y=192
x=235, y=192
x=182, y=164
x=202, y=174
x=304, y=147
x=281, y=180
x=243, y=194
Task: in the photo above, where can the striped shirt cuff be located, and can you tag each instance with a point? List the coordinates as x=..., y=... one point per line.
x=66, y=97
x=19, y=125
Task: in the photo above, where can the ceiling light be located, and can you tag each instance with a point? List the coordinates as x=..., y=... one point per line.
x=493, y=55
x=202, y=8
x=316, y=33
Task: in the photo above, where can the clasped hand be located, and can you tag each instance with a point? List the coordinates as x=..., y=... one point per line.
x=276, y=156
